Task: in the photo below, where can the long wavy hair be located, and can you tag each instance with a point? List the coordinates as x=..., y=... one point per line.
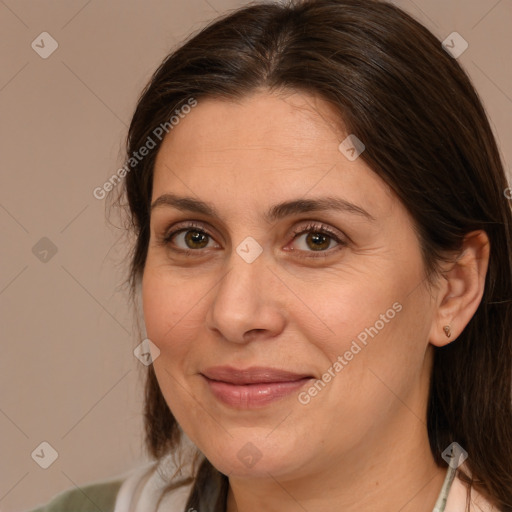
x=427, y=136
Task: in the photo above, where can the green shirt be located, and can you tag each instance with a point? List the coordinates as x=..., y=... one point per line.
x=90, y=498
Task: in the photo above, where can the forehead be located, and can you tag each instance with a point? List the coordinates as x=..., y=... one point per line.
x=265, y=147
x=261, y=121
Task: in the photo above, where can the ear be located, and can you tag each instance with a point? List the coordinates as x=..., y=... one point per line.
x=461, y=288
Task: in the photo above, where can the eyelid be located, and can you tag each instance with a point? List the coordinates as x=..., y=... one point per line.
x=320, y=227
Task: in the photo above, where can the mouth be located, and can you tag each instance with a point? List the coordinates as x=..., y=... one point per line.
x=253, y=387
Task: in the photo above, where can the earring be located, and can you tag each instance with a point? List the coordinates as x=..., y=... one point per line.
x=447, y=330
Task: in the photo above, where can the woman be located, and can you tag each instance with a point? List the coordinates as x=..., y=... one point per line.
x=323, y=255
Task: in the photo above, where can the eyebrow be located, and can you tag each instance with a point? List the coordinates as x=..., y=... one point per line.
x=274, y=213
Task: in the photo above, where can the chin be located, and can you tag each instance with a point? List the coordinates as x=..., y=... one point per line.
x=250, y=457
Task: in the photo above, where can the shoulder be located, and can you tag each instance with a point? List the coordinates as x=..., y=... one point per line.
x=142, y=489
x=88, y=498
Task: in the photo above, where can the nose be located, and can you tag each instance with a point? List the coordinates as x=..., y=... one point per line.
x=246, y=302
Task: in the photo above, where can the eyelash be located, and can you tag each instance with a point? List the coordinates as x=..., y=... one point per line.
x=311, y=227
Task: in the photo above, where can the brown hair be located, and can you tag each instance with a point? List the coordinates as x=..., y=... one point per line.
x=426, y=135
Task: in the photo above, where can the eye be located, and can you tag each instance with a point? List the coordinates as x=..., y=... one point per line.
x=317, y=238
x=310, y=238
x=189, y=238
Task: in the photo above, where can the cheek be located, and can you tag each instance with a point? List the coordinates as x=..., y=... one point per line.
x=377, y=323
x=171, y=308
x=384, y=354
x=342, y=311
x=172, y=322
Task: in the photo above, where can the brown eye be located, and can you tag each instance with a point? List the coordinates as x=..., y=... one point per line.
x=188, y=239
x=316, y=238
x=318, y=241
x=195, y=239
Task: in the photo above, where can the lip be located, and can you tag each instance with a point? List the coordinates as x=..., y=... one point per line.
x=253, y=387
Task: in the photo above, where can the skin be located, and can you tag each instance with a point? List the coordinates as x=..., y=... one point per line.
x=361, y=443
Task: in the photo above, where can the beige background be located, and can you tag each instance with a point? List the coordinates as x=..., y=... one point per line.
x=67, y=372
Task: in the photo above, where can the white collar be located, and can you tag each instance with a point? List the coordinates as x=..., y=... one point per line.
x=144, y=485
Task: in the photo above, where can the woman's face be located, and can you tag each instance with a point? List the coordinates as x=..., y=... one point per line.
x=291, y=336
